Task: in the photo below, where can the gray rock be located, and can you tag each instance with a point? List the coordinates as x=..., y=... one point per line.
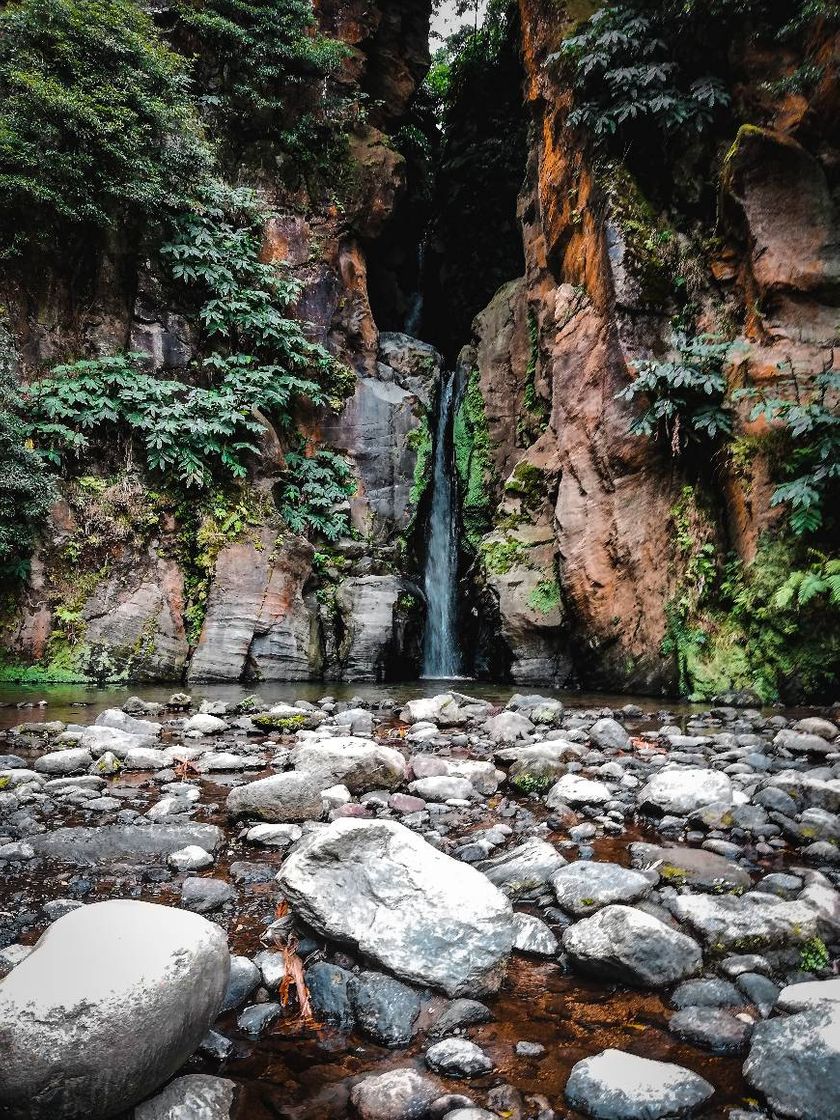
x=529, y=1049
x=256, y=1018
x=682, y=790
x=206, y=895
x=585, y=886
x=678, y=864
x=197, y=1096
x=800, y=742
x=444, y=788
x=70, y=761
x=614, y=1085
x=126, y=843
x=458, y=1014
x=101, y=980
x=283, y=798
x=122, y=721
x=533, y=936
x=759, y=990
x=706, y=993
x=458, y=1057
x=756, y=920
x=384, y=1008
x=244, y=979
x=625, y=944
x=795, y=1064
x=202, y=724
x=608, y=734
x=572, y=789
x=274, y=835
x=525, y=868
x=507, y=727
x=356, y=763
x=191, y=858
x=329, y=993
x=810, y=994
x=399, y=1094
x=711, y=1028
x=421, y=914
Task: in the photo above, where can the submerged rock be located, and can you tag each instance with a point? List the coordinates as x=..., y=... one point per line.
x=113, y=999
x=197, y=1096
x=399, y=1094
x=420, y=913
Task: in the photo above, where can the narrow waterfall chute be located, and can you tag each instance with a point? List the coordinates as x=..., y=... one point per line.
x=441, y=653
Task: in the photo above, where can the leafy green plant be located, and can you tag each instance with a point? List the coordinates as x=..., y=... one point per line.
x=499, y=556
x=26, y=489
x=813, y=955
x=476, y=474
x=96, y=124
x=628, y=79
x=812, y=428
x=545, y=597
x=532, y=784
x=686, y=396
x=312, y=494
x=261, y=53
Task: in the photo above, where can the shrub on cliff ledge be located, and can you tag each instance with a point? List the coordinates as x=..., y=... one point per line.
x=95, y=121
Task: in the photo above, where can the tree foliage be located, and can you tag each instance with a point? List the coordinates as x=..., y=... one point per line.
x=313, y=493
x=96, y=125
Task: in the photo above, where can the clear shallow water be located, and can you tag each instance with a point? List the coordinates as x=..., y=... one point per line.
x=73, y=703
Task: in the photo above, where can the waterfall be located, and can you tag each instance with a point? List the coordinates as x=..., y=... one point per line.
x=441, y=656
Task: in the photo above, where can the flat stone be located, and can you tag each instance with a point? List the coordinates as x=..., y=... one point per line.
x=205, y=895
x=678, y=864
x=127, y=843
x=280, y=799
x=572, y=789
x=682, y=790
x=614, y=1085
x=812, y=993
x=525, y=868
x=357, y=763
x=191, y=858
x=753, y=921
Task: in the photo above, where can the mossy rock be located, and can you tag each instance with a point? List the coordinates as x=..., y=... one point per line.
x=286, y=725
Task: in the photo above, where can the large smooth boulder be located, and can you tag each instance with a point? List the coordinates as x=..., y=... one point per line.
x=280, y=799
x=608, y=734
x=359, y=764
x=811, y=993
x=73, y=760
x=615, y=1085
x=425, y=916
x=113, y=999
x=682, y=790
x=625, y=944
x=678, y=864
x=795, y=1064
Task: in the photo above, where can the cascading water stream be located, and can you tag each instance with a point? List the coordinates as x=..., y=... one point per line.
x=441, y=655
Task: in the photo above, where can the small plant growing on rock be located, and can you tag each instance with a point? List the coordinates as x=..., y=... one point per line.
x=813, y=956
x=532, y=784
x=686, y=395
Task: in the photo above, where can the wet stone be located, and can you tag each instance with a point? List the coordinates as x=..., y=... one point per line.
x=712, y=1029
